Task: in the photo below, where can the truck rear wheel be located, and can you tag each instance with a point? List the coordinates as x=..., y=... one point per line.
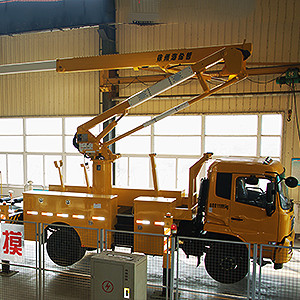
x=227, y=263
x=64, y=247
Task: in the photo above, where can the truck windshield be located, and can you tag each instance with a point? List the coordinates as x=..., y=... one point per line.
x=285, y=202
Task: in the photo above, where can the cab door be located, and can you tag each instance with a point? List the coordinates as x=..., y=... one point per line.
x=248, y=217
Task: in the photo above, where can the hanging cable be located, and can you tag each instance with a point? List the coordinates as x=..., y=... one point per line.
x=290, y=110
x=264, y=81
x=292, y=86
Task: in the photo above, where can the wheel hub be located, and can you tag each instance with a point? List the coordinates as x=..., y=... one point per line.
x=228, y=263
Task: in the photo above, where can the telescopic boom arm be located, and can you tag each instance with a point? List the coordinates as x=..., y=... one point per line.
x=234, y=60
x=165, y=59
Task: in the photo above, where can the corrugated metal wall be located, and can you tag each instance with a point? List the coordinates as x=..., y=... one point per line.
x=271, y=25
x=49, y=93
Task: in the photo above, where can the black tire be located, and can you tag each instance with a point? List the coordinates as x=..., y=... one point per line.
x=227, y=263
x=64, y=247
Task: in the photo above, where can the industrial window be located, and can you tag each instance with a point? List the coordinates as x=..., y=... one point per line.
x=244, y=135
x=271, y=135
x=11, y=135
x=29, y=146
x=176, y=141
x=231, y=135
x=179, y=142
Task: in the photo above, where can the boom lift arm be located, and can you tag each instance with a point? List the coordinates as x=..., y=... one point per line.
x=234, y=59
x=166, y=59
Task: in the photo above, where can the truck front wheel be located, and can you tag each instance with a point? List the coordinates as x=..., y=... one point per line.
x=227, y=263
x=64, y=247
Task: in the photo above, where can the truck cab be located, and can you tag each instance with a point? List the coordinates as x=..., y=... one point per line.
x=248, y=199
x=243, y=200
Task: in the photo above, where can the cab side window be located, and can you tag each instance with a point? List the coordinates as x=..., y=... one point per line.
x=223, y=185
x=251, y=194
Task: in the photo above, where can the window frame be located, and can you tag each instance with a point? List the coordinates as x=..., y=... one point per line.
x=247, y=201
x=178, y=158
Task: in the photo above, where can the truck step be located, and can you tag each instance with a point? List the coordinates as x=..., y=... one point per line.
x=125, y=222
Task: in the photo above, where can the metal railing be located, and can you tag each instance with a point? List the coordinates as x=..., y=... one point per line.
x=172, y=277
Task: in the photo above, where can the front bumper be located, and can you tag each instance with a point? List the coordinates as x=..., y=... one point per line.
x=284, y=252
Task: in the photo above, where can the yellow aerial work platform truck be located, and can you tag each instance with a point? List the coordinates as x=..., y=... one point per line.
x=241, y=199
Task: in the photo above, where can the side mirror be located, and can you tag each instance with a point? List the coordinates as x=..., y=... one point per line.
x=291, y=182
x=271, y=196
